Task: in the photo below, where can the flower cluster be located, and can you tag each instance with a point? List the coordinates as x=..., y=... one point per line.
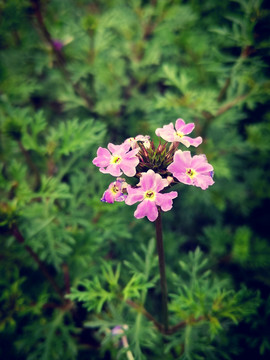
x=157, y=168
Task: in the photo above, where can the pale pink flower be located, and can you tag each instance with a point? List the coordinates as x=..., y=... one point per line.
x=117, y=159
x=119, y=329
x=133, y=142
x=149, y=194
x=178, y=134
x=115, y=192
x=191, y=170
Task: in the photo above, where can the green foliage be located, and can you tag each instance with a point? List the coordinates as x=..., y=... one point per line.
x=205, y=298
x=95, y=293
x=49, y=340
x=76, y=75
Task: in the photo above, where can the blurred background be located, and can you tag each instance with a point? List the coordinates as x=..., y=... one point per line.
x=77, y=74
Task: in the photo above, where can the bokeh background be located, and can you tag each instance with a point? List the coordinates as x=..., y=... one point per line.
x=77, y=74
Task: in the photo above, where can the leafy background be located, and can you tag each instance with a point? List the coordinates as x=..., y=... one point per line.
x=78, y=74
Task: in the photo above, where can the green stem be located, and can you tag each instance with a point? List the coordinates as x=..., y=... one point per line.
x=161, y=259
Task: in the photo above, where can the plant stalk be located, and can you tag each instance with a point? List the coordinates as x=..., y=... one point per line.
x=161, y=258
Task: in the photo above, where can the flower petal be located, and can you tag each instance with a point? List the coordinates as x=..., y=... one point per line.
x=184, y=178
x=165, y=200
x=132, y=153
x=166, y=133
x=148, y=179
x=128, y=166
x=113, y=169
x=187, y=141
x=103, y=157
x=134, y=195
x=121, y=197
x=200, y=164
x=146, y=208
x=203, y=181
x=179, y=124
x=152, y=181
x=108, y=197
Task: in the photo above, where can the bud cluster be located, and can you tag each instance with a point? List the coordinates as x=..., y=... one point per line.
x=156, y=158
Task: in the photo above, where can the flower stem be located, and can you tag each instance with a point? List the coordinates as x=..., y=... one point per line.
x=161, y=259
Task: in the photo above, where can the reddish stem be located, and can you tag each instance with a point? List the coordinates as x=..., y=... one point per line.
x=162, y=272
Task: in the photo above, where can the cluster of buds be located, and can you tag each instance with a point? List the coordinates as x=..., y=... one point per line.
x=156, y=168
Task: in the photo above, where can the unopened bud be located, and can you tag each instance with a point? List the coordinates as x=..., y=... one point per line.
x=169, y=179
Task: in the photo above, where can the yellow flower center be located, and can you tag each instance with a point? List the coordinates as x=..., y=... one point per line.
x=191, y=173
x=114, y=189
x=179, y=134
x=150, y=195
x=116, y=159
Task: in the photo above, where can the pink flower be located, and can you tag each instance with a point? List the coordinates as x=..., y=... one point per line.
x=115, y=191
x=192, y=170
x=149, y=194
x=119, y=159
x=168, y=133
x=133, y=142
